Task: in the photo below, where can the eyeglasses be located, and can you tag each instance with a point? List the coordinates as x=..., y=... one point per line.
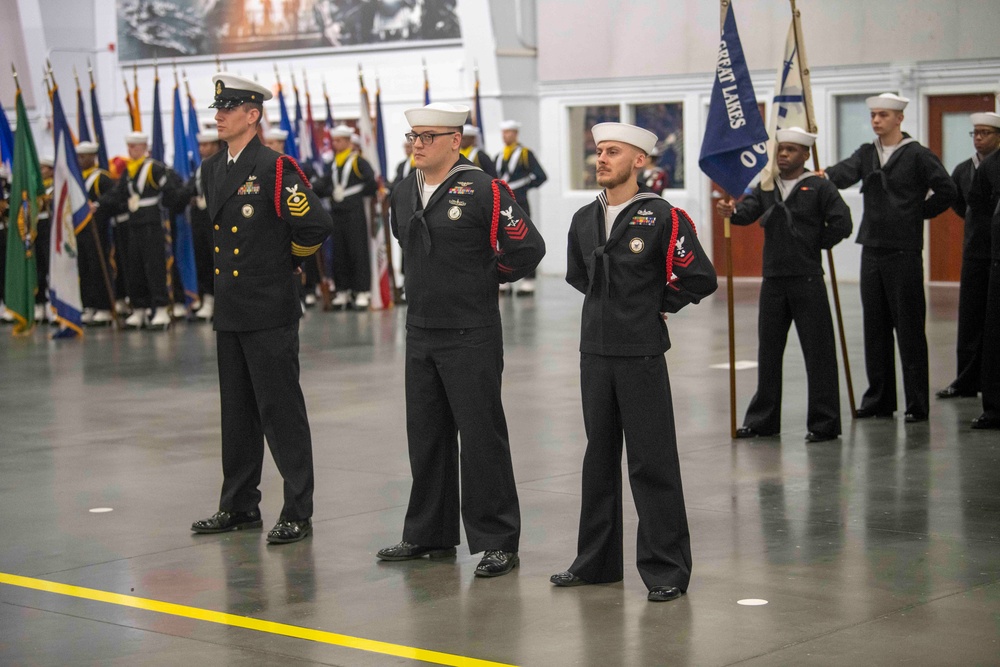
x=982, y=133
x=426, y=138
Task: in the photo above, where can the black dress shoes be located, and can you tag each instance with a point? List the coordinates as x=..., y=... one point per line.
x=223, y=522
x=748, y=432
x=951, y=392
x=819, y=437
x=984, y=422
x=865, y=413
x=567, y=578
x=663, y=593
x=406, y=551
x=496, y=563
x=913, y=418
x=286, y=532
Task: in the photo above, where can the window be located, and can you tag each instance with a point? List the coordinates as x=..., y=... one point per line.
x=853, y=125
x=666, y=121
x=582, y=148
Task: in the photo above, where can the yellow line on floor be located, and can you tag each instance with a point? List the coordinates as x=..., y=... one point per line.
x=233, y=620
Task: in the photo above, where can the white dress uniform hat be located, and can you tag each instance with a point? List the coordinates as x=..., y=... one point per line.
x=510, y=125
x=642, y=139
x=231, y=91
x=470, y=131
x=795, y=135
x=276, y=134
x=341, y=131
x=47, y=161
x=86, y=148
x=137, y=138
x=887, y=101
x=437, y=114
x=986, y=118
x=207, y=136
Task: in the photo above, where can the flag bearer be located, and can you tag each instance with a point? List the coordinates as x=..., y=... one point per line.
x=93, y=290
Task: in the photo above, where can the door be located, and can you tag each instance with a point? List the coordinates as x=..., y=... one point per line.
x=747, y=242
x=948, y=136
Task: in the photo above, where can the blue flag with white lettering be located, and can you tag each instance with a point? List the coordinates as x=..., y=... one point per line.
x=734, y=149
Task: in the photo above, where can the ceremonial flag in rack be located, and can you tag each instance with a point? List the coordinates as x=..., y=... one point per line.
x=82, y=129
x=478, y=110
x=6, y=145
x=329, y=109
x=95, y=109
x=286, y=125
x=734, y=148
x=309, y=137
x=133, y=104
x=194, y=157
x=383, y=163
x=183, y=250
x=792, y=106
x=381, y=292
x=21, y=275
x=157, y=151
x=303, y=133
x=427, y=87
x=70, y=214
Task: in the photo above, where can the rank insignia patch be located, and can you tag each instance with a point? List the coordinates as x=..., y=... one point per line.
x=298, y=203
x=682, y=257
x=247, y=210
x=516, y=229
x=636, y=245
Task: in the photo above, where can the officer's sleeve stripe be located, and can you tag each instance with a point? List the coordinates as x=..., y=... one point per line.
x=303, y=250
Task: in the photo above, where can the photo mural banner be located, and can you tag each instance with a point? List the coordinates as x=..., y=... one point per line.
x=169, y=29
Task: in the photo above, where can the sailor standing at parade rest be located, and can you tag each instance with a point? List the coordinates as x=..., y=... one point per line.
x=634, y=257
x=470, y=149
x=266, y=222
x=462, y=234
x=93, y=290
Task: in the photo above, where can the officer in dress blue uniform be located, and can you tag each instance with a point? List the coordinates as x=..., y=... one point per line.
x=635, y=258
x=266, y=221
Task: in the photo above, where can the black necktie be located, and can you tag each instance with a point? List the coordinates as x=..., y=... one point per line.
x=229, y=165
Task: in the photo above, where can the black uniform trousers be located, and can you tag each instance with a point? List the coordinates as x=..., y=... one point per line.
x=802, y=300
x=261, y=398
x=146, y=273
x=892, y=299
x=351, y=261
x=453, y=379
x=972, y=293
x=990, y=378
x=631, y=395
x=93, y=291
x=42, y=251
x=119, y=258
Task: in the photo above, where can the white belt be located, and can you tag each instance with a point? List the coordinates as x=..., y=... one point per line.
x=340, y=195
x=519, y=183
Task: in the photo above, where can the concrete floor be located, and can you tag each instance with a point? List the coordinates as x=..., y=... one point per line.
x=880, y=548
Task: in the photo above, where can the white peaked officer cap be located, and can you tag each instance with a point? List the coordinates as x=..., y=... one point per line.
x=642, y=139
x=86, y=148
x=986, y=118
x=510, y=125
x=137, y=138
x=437, y=114
x=208, y=136
x=275, y=135
x=470, y=131
x=231, y=91
x=47, y=161
x=887, y=101
x=795, y=135
x=341, y=131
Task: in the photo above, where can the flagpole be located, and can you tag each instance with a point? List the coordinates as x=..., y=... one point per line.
x=728, y=247
x=807, y=98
